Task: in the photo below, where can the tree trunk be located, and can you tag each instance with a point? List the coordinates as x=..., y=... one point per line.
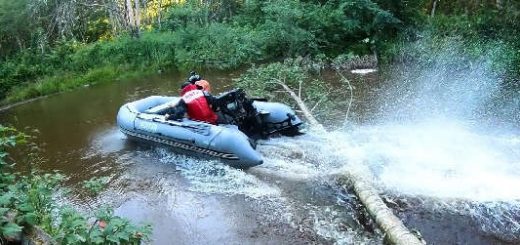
x=129, y=14
x=301, y=104
x=434, y=7
x=159, y=13
x=19, y=42
x=393, y=228
x=111, y=17
x=136, y=18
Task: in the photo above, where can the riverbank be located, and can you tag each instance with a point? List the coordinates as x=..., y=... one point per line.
x=192, y=36
x=72, y=65
x=62, y=83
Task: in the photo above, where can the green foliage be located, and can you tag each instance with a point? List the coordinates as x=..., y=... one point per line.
x=264, y=81
x=484, y=33
x=10, y=213
x=261, y=81
x=73, y=65
x=200, y=13
x=151, y=51
x=16, y=26
x=119, y=230
x=63, y=82
x=223, y=35
x=9, y=138
x=275, y=29
x=30, y=200
x=411, y=13
x=95, y=185
x=106, y=229
x=182, y=16
x=229, y=34
x=216, y=46
x=284, y=30
x=7, y=228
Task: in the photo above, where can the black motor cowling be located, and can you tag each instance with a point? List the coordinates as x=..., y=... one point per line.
x=257, y=118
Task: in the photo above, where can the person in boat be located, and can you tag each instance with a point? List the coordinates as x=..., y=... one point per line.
x=204, y=85
x=196, y=79
x=197, y=103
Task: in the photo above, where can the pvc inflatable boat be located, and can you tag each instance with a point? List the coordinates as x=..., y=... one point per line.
x=233, y=143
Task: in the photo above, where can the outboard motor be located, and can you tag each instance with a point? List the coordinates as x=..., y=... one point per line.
x=258, y=119
x=239, y=110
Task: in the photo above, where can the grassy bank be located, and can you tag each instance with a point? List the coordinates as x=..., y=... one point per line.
x=64, y=82
x=73, y=65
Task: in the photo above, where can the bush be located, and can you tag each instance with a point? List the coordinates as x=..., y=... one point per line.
x=151, y=51
x=26, y=201
x=432, y=49
x=181, y=16
x=216, y=46
x=72, y=64
x=264, y=81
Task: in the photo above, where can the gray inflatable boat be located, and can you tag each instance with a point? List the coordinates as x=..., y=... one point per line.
x=233, y=143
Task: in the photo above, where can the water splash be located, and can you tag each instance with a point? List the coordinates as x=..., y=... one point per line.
x=289, y=188
x=214, y=177
x=439, y=159
x=441, y=136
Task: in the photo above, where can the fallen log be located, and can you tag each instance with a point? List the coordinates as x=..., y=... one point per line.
x=392, y=226
x=395, y=231
x=306, y=112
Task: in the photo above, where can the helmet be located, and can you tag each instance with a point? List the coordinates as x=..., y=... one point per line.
x=204, y=84
x=194, y=78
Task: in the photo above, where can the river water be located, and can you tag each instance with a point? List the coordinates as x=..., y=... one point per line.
x=453, y=180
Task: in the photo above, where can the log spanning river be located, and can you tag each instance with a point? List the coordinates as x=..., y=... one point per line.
x=450, y=177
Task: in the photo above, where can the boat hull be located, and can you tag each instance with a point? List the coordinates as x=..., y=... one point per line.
x=141, y=120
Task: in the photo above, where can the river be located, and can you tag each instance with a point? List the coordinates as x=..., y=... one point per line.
x=451, y=180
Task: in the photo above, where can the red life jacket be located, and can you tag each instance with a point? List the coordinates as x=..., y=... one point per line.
x=197, y=105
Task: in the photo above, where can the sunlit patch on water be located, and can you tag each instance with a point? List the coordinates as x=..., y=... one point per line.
x=363, y=71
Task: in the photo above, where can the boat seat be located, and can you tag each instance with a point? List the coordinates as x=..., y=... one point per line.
x=160, y=109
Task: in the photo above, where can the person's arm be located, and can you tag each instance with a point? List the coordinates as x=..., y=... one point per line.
x=178, y=111
x=212, y=100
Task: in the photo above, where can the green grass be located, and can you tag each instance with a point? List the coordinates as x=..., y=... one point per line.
x=69, y=81
x=71, y=65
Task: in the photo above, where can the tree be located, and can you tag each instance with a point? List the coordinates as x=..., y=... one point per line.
x=16, y=26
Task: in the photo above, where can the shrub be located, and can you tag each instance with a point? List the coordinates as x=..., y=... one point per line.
x=216, y=46
x=30, y=200
x=264, y=82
